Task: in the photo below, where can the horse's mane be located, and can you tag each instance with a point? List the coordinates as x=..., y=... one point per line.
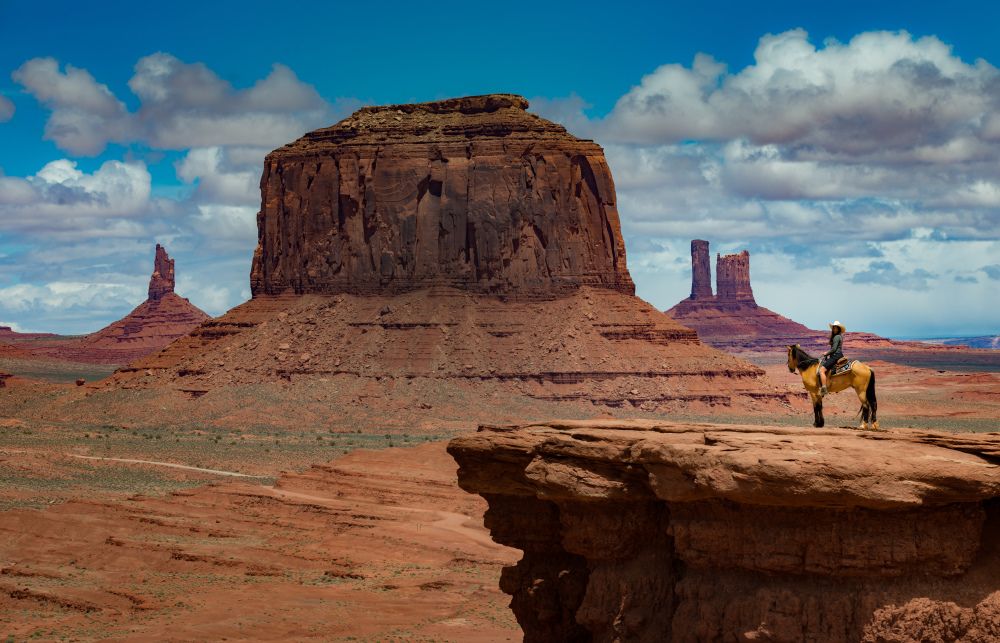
x=802, y=358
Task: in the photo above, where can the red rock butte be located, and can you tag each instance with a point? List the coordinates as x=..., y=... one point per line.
x=473, y=193
x=732, y=320
x=460, y=243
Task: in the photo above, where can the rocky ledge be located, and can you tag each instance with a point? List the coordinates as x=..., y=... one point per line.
x=649, y=531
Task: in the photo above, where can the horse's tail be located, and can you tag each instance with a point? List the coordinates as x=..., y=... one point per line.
x=870, y=395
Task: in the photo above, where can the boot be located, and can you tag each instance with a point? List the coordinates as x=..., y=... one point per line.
x=823, y=391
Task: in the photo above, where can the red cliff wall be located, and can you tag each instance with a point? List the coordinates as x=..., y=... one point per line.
x=473, y=193
x=732, y=278
x=653, y=531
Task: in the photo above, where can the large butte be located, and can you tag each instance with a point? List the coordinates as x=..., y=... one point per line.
x=439, y=260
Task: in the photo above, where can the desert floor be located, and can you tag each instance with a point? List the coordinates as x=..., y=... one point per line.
x=324, y=531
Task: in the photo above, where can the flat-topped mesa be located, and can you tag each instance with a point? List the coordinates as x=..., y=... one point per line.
x=732, y=278
x=701, y=271
x=161, y=281
x=473, y=193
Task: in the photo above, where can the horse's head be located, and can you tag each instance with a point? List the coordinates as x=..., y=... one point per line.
x=793, y=361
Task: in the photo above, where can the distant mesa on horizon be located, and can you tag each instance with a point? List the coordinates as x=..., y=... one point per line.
x=443, y=243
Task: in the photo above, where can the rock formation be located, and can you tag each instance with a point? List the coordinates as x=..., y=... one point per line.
x=460, y=249
x=474, y=193
x=155, y=323
x=701, y=272
x=645, y=531
x=732, y=278
x=161, y=282
x=731, y=319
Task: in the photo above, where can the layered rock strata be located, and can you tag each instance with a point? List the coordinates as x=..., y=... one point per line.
x=644, y=531
x=732, y=278
x=473, y=193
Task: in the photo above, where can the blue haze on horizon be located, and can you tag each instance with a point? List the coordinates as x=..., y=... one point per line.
x=855, y=153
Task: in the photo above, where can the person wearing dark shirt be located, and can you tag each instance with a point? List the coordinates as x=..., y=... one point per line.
x=831, y=356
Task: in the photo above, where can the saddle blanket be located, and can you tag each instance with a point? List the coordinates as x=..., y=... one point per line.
x=843, y=368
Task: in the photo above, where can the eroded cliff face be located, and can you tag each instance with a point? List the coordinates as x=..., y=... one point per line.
x=457, y=250
x=642, y=531
x=701, y=272
x=473, y=193
x=732, y=278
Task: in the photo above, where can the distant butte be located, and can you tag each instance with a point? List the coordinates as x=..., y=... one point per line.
x=732, y=320
x=155, y=323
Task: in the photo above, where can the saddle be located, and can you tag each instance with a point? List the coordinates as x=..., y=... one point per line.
x=842, y=366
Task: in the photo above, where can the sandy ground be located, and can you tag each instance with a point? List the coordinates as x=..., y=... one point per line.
x=119, y=532
x=378, y=545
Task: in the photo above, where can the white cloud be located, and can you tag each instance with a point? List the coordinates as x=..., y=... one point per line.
x=181, y=105
x=85, y=114
x=224, y=175
x=6, y=109
x=60, y=198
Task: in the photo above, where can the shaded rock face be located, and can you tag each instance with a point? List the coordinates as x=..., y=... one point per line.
x=473, y=193
x=161, y=281
x=645, y=531
x=732, y=278
x=701, y=272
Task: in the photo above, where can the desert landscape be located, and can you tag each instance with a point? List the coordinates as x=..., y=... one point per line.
x=282, y=471
x=278, y=366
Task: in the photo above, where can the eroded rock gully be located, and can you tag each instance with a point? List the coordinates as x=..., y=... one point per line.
x=645, y=531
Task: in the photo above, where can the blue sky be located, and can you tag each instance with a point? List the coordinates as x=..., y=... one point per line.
x=855, y=152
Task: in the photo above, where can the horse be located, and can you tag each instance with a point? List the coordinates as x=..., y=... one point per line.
x=861, y=378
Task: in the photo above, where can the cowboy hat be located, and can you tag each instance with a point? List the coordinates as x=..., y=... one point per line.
x=837, y=324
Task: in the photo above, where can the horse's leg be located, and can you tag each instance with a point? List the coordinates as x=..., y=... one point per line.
x=865, y=407
x=872, y=400
x=817, y=401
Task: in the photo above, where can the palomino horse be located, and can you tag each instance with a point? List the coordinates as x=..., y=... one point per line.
x=860, y=378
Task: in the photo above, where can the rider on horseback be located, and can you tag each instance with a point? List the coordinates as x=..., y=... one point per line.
x=831, y=356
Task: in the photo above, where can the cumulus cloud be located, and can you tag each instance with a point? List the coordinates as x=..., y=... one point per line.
x=6, y=109
x=181, y=105
x=62, y=199
x=881, y=152
x=885, y=273
x=85, y=114
x=882, y=91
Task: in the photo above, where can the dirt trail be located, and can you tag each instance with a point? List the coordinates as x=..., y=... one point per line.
x=172, y=465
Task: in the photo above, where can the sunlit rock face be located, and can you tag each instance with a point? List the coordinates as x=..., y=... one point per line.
x=473, y=193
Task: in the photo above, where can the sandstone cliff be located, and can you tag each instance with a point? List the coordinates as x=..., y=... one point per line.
x=643, y=531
